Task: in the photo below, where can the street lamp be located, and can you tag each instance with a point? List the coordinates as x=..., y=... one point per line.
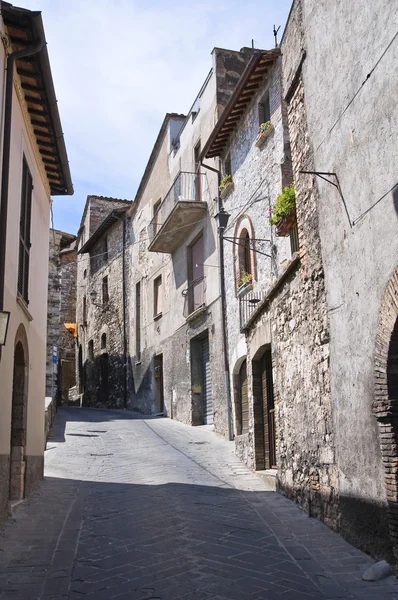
x=222, y=218
x=4, y=320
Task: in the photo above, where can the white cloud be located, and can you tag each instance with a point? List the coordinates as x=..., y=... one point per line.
x=120, y=65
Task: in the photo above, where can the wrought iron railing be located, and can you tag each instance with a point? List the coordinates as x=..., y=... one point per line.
x=195, y=296
x=249, y=305
x=190, y=187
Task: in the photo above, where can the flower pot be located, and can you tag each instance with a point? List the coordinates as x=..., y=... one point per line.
x=228, y=187
x=244, y=288
x=286, y=224
x=260, y=139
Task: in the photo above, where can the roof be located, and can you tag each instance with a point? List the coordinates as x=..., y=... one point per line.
x=25, y=28
x=246, y=88
x=155, y=152
x=94, y=197
x=114, y=216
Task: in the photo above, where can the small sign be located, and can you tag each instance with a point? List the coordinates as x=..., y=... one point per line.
x=55, y=354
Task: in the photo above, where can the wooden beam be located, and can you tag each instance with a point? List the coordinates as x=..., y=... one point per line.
x=53, y=168
x=31, y=88
x=46, y=152
x=26, y=73
x=33, y=100
x=47, y=161
x=38, y=113
x=44, y=144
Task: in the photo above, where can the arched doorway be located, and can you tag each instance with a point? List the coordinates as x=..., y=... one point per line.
x=18, y=422
x=243, y=399
x=385, y=405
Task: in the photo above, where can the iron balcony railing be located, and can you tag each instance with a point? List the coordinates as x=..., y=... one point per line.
x=195, y=296
x=249, y=305
x=188, y=187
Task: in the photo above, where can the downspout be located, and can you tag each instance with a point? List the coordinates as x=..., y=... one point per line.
x=125, y=372
x=223, y=307
x=5, y=173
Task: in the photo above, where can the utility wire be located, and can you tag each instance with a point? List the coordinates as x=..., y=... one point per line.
x=360, y=88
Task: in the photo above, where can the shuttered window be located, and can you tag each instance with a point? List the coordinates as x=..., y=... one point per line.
x=24, y=232
x=244, y=396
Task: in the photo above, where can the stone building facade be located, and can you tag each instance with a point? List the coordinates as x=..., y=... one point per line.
x=353, y=138
x=176, y=334
x=101, y=311
x=277, y=323
x=61, y=309
x=34, y=168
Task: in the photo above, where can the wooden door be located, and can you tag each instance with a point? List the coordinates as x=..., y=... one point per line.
x=268, y=410
x=244, y=398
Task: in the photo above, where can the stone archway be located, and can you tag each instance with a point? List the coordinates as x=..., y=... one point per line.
x=19, y=415
x=385, y=404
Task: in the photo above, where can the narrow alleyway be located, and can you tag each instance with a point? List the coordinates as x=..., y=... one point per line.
x=149, y=509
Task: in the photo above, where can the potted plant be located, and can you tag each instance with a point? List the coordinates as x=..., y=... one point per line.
x=226, y=185
x=263, y=132
x=245, y=283
x=284, y=211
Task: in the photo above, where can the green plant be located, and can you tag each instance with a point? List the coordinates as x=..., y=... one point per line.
x=224, y=181
x=264, y=126
x=285, y=203
x=245, y=278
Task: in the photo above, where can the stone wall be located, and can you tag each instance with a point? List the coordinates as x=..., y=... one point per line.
x=61, y=309
x=101, y=330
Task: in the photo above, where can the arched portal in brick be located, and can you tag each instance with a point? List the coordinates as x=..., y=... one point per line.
x=19, y=415
x=385, y=405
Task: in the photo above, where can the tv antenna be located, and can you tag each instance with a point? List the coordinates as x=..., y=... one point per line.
x=276, y=35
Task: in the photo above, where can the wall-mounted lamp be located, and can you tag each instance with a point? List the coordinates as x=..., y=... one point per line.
x=222, y=218
x=4, y=320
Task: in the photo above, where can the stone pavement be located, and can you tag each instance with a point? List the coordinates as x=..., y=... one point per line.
x=149, y=509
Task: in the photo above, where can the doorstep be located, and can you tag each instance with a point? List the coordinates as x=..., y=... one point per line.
x=268, y=476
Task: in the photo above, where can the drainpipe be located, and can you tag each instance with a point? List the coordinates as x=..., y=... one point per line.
x=5, y=173
x=223, y=306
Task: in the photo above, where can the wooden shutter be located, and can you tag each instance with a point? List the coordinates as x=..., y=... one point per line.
x=24, y=232
x=244, y=397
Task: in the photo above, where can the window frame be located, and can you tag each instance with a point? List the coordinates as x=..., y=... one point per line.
x=25, y=225
x=105, y=291
x=157, y=297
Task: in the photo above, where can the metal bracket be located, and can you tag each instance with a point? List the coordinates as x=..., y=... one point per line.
x=232, y=240
x=323, y=175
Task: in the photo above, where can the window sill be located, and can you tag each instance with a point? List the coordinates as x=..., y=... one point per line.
x=158, y=316
x=137, y=363
x=196, y=313
x=24, y=306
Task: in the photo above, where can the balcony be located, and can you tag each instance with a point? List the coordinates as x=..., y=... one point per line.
x=184, y=205
x=249, y=305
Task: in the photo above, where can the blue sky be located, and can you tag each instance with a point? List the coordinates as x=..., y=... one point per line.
x=120, y=65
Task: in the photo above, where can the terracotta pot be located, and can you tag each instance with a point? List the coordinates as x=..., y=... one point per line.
x=286, y=224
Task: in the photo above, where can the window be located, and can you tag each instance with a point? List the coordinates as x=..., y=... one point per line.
x=105, y=249
x=264, y=113
x=103, y=341
x=245, y=255
x=198, y=180
x=294, y=240
x=91, y=350
x=138, y=320
x=157, y=296
x=84, y=310
x=196, y=280
x=226, y=167
x=156, y=215
x=85, y=273
x=24, y=232
x=105, y=293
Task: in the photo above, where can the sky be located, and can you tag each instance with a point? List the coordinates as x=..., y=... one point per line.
x=120, y=65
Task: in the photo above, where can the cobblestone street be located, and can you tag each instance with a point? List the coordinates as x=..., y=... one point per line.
x=149, y=509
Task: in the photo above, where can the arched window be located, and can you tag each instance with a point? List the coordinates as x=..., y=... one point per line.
x=103, y=341
x=245, y=258
x=244, y=252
